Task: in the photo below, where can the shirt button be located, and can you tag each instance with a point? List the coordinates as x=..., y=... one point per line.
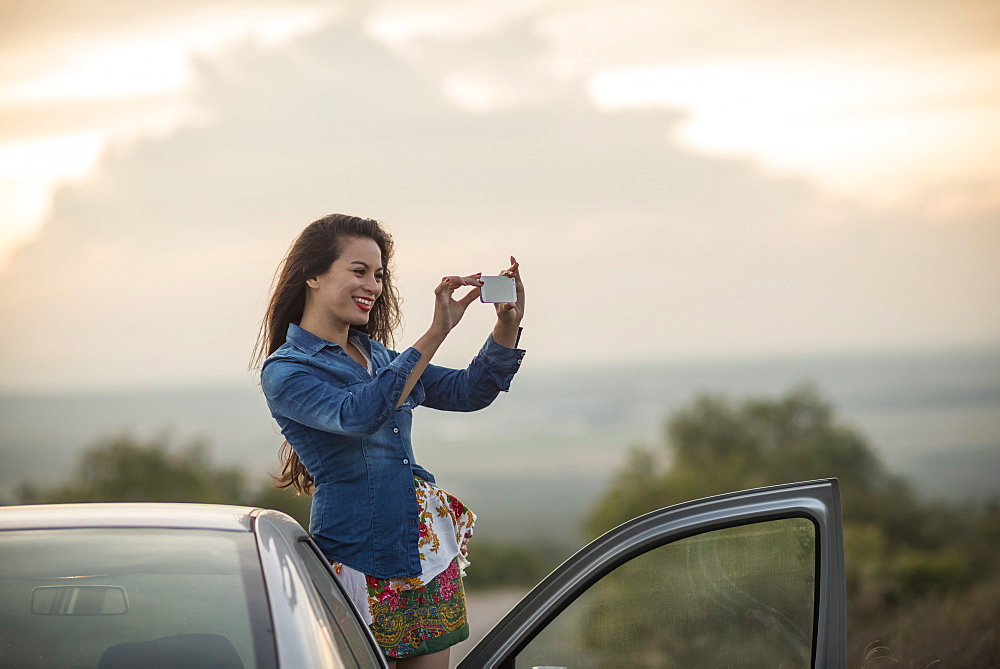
x=405, y=461
x=395, y=430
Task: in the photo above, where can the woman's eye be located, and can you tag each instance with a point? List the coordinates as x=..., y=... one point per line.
x=379, y=277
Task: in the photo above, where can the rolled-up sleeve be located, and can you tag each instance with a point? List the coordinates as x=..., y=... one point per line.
x=295, y=392
x=476, y=386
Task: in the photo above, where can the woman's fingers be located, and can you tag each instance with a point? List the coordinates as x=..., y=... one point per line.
x=450, y=283
x=471, y=280
x=513, y=311
x=470, y=297
x=456, y=281
x=514, y=270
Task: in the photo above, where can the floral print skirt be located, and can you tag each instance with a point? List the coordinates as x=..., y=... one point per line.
x=423, y=614
x=419, y=621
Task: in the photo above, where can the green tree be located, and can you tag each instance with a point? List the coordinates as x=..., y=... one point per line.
x=902, y=554
x=718, y=445
x=502, y=564
x=124, y=468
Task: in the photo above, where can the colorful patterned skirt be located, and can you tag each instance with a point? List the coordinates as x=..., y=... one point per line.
x=422, y=620
x=424, y=614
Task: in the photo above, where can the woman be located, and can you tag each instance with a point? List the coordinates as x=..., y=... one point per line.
x=344, y=403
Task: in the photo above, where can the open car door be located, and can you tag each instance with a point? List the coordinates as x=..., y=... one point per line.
x=746, y=579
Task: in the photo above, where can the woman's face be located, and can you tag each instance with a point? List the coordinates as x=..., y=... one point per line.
x=346, y=293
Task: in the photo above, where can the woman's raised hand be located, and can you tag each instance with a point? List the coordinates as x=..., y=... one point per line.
x=447, y=310
x=511, y=313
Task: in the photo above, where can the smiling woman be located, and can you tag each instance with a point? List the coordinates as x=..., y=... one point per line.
x=345, y=402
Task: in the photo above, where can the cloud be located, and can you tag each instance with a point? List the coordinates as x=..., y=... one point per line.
x=877, y=132
x=872, y=100
x=156, y=270
x=108, y=72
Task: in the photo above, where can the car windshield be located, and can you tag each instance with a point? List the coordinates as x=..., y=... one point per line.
x=127, y=597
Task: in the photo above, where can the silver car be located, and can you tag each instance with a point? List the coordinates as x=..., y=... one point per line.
x=749, y=579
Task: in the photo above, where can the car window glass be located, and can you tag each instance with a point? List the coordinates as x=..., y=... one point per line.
x=737, y=597
x=346, y=628
x=132, y=597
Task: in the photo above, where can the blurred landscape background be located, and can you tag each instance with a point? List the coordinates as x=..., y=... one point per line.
x=555, y=441
x=764, y=231
x=570, y=453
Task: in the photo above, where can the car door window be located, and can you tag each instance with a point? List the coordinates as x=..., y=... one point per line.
x=742, y=596
x=344, y=624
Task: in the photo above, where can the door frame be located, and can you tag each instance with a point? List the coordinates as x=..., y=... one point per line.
x=818, y=501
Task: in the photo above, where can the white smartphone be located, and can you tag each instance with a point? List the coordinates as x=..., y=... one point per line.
x=497, y=289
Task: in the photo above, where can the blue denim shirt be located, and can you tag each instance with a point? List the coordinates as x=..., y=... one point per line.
x=343, y=424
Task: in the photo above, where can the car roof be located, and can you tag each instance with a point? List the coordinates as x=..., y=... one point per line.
x=138, y=514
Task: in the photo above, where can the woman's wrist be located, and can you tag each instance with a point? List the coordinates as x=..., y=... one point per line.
x=427, y=346
x=431, y=340
x=505, y=334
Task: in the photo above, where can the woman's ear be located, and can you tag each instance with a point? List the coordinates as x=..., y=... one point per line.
x=312, y=282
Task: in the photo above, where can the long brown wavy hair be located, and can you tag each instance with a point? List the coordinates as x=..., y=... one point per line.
x=310, y=255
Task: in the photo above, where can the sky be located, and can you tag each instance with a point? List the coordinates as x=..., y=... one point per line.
x=678, y=180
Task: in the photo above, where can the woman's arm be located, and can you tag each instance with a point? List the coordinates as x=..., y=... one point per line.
x=476, y=386
x=294, y=390
x=491, y=371
x=447, y=313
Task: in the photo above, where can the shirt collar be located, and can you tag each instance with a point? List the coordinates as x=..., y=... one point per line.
x=310, y=344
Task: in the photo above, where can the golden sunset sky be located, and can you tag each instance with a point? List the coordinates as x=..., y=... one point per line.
x=679, y=179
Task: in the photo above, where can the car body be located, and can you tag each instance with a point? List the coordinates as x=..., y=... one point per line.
x=754, y=578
